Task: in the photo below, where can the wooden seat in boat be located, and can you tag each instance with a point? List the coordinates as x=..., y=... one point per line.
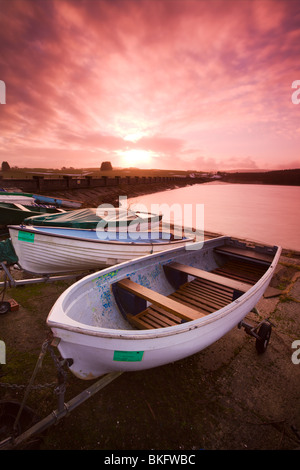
x=245, y=254
x=206, y=293
x=162, y=305
x=190, y=301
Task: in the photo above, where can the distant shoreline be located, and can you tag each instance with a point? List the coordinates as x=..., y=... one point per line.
x=278, y=177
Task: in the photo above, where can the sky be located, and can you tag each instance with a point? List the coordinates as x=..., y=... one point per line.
x=202, y=85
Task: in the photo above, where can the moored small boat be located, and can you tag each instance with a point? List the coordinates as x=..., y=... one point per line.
x=106, y=218
x=16, y=213
x=82, y=240
x=159, y=308
x=8, y=196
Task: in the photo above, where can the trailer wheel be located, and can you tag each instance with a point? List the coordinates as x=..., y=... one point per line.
x=264, y=334
x=4, y=307
x=8, y=414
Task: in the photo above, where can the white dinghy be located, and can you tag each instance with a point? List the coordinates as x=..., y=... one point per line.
x=82, y=240
x=51, y=250
x=161, y=308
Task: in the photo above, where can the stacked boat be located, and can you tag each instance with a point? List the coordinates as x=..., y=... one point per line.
x=15, y=207
x=8, y=196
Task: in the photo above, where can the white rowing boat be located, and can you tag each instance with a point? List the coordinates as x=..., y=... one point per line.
x=160, y=308
x=84, y=241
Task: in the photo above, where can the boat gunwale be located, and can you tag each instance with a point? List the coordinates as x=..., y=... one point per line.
x=118, y=242
x=132, y=334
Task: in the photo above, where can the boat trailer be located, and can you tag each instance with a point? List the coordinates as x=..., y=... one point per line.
x=45, y=278
x=9, y=281
x=15, y=439
x=261, y=332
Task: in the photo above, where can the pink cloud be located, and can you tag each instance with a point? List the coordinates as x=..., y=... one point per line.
x=199, y=80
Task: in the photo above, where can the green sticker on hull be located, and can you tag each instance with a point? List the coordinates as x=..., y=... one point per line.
x=128, y=356
x=26, y=237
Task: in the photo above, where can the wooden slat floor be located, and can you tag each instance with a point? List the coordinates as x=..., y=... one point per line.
x=242, y=271
x=200, y=294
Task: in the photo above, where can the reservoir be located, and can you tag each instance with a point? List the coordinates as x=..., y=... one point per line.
x=262, y=213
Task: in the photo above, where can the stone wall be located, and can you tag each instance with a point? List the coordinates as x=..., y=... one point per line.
x=41, y=184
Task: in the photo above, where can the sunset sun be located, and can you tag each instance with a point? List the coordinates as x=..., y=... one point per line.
x=136, y=157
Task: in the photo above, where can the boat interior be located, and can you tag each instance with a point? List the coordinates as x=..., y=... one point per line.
x=196, y=292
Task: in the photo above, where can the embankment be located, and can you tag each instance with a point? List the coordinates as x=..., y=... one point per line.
x=93, y=197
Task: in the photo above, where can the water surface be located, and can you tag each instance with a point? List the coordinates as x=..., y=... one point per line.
x=263, y=213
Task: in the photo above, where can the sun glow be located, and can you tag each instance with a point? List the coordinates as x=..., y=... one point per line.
x=135, y=157
x=134, y=137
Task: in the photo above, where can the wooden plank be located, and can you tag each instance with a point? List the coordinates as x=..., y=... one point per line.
x=247, y=267
x=242, y=273
x=245, y=253
x=154, y=317
x=203, y=299
x=161, y=318
x=215, y=290
x=156, y=322
x=205, y=293
x=139, y=322
x=168, y=315
x=166, y=303
x=202, y=302
x=196, y=272
x=236, y=277
x=204, y=308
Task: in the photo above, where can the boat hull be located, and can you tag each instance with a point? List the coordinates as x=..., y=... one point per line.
x=39, y=199
x=96, y=350
x=64, y=250
x=12, y=214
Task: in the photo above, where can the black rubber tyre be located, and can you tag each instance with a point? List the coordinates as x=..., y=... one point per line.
x=264, y=334
x=8, y=413
x=4, y=307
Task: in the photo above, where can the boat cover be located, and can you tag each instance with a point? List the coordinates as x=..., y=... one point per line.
x=89, y=218
x=7, y=252
x=16, y=199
